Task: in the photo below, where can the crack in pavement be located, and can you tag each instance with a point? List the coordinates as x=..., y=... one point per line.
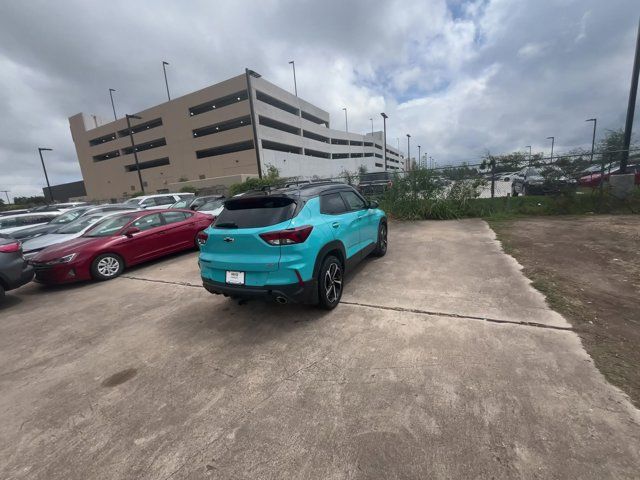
x=418, y=311
x=456, y=315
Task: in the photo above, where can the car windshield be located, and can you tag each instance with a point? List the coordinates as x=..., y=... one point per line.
x=212, y=205
x=180, y=204
x=109, y=226
x=252, y=212
x=69, y=216
x=79, y=225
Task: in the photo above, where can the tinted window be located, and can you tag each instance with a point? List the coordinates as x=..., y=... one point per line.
x=69, y=216
x=164, y=200
x=148, y=221
x=8, y=223
x=149, y=202
x=80, y=224
x=174, y=217
x=332, y=204
x=353, y=201
x=252, y=212
x=109, y=226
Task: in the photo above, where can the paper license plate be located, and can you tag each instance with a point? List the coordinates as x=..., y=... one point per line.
x=235, y=278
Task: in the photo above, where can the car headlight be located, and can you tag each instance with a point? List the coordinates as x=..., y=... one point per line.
x=65, y=259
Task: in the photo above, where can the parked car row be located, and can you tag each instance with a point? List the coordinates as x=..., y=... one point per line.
x=66, y=248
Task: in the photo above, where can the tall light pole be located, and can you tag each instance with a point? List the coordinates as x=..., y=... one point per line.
x=295, y=84
x=371, y=126
x=46, y=177
x=419, y=157
x=111, y=90
x=631, y=107
x=164, y=69
x=408, y=151
x=6, y=192
x=529, y=147
x=593, y=138
x=553, y=140
x=133, y=147
x=346, y=121
x=384, y=128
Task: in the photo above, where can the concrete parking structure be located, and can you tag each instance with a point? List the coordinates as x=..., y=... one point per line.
x=441, y=362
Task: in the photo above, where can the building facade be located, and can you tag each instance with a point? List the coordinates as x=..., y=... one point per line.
x=63, y=192
x=217, y=136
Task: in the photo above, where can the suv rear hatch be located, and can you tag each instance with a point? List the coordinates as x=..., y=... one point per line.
x=234, y=242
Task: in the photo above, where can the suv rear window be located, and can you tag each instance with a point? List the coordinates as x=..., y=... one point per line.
x=252, y=212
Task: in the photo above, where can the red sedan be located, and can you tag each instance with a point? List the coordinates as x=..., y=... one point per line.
x=117, y=242
x=593, y=180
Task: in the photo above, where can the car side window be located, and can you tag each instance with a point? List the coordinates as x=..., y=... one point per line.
x=148, y=221
x=353, y=201
x=174, y=217
x=181, y=204
x=149, y=202
x=332, y=204
x=164, y=200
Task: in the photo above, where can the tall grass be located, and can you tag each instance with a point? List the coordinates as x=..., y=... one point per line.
x=422, y=195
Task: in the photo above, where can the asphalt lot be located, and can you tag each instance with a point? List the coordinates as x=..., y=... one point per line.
x=442, y=362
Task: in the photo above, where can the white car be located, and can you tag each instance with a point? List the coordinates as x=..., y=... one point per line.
x=162, y=200
x=69, y=231
x=14, y=223
x=212, y=207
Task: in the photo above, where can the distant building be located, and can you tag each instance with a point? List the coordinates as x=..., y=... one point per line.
x=220, y=135
x=65, y=191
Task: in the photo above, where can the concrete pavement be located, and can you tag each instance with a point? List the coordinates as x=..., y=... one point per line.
x=149, y=376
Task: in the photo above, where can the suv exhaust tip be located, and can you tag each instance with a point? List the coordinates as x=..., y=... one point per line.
x=281, y=300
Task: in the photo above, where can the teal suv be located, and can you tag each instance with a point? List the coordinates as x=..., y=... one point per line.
x=291, y=245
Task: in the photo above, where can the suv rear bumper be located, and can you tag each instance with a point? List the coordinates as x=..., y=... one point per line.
x=306, y=292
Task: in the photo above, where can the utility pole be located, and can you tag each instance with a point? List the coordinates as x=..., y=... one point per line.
x=346, y=121
x=164, y=65
x=419, y=157
x=529, y=147
x=40, y=150
x=295, y=84
x=408, y=152
x=371, y=126
x=111, y=90
x=631, y=106
x=593, y=138
x=6, y=192
x=553, y=139
x=133, y=147
x=384, y=128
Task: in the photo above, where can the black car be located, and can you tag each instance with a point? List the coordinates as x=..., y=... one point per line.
x=14, y=269
x=541, y=181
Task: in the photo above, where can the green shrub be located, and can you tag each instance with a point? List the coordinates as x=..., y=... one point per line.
x=188, y=189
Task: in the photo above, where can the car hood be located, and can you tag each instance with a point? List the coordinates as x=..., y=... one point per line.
x=43, y=241
x=75, y=245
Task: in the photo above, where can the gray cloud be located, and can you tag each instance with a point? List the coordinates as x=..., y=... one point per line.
x=461, y=77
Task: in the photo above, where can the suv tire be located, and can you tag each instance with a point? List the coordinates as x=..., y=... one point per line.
x=330, y=283
x=106, y=266
x=381, y=244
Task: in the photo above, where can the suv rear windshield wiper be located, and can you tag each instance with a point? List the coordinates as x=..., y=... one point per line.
x=226, y=225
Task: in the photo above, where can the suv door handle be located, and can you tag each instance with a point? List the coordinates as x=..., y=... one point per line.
x=335, y=224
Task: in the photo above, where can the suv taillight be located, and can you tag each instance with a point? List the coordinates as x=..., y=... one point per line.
x=202, y=237
x=287, y=237
x=10, y=247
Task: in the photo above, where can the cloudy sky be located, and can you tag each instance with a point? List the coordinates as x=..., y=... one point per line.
x=462, y=77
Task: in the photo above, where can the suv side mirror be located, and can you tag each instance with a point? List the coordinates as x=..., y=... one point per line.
x=130, y=231
x=373, y=204
x=193, y=207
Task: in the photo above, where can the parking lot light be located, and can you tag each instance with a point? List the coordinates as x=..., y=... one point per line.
x=46, y=177
x=133, y=147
